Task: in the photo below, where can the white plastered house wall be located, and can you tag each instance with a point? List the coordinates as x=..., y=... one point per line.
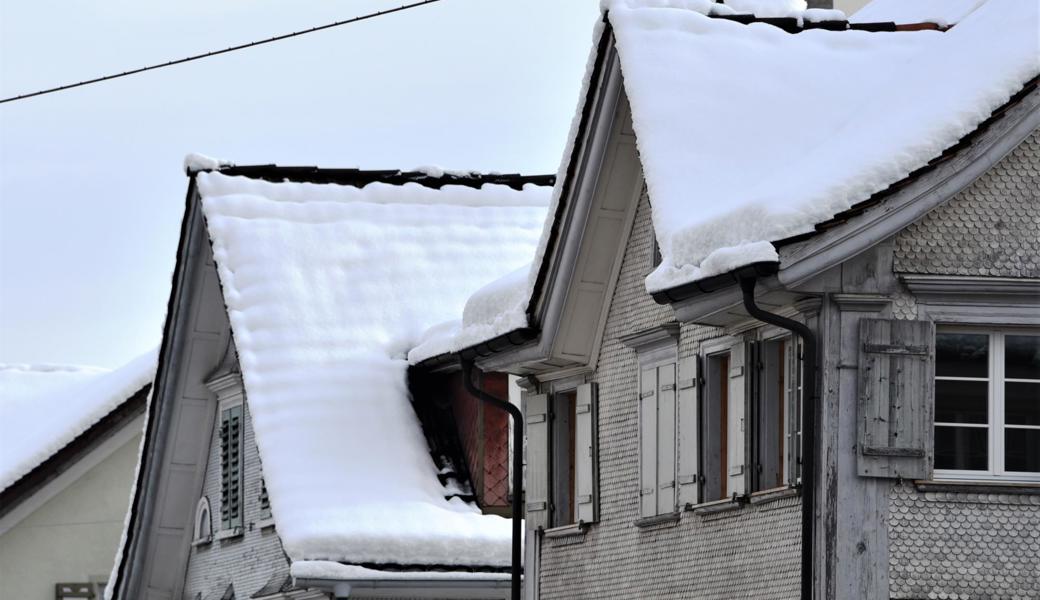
x=69, y=440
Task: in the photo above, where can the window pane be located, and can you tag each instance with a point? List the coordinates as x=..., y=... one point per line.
x=961, y=448
x=1022, y=356
x=961, y=401
x=1022, y=450
x=962, y=354
x=1022, y=403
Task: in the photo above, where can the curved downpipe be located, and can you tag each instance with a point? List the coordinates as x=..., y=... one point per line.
x=809, y=407
x=518, y=468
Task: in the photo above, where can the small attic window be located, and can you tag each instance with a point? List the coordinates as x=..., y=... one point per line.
x=203, y=523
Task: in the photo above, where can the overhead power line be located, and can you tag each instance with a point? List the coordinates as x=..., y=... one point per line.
x=217, y=52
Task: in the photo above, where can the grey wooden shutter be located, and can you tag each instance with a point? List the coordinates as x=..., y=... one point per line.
x=666, y=438
x=648, y=442
x=585, y=453
x=896, y=398
x=231, y=467
x=735, y=438
x=537, y=484
x=688, y=400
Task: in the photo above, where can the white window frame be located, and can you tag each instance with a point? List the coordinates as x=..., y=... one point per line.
x=995, y=402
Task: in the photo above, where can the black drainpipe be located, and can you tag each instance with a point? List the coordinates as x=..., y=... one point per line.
x=747, y=284
x=518, y=466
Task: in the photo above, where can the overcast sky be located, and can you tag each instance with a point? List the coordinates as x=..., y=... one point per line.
x=91, y=186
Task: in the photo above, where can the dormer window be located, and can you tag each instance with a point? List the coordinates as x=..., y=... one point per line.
x=203, y=523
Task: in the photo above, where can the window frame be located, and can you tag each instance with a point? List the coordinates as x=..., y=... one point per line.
x=720, y=350
x=791, y=404
x=995, y=403
x=555, y=398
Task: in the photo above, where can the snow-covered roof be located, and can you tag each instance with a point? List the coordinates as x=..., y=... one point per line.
x=44, y=407
x=749, y=135
x=328, y=287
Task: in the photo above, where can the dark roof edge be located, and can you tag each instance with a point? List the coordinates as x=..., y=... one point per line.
x=82, y=445
x=724, y=280
x=505, y=341
x=715, y=283
x=130, y=532
x=363, y=177
x=424, y=568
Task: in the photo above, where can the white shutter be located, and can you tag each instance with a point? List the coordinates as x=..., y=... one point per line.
x=585, y=453
x=537, y=484
x=687, y=424
x=666, y=439
x=793, y=441
x=736, y=426
x=648, y=442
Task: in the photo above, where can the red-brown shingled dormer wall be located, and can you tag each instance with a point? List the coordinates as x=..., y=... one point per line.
x=484, y=433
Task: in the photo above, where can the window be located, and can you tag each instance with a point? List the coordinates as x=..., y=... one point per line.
x=203, y=523
x=987, y=405
x=231, y=467
x=563, y=419
x=776, y=388
x=714, y=433
x=561, y=470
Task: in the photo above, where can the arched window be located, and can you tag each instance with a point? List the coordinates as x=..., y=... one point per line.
x=203, y=523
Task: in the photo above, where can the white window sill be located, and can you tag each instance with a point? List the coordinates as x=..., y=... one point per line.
x=715, y=507
x=774, y=494
x=978, y=486
x=267, y=523
x=565, y=531
x=228, y=534
x=665, y=520
x=203, y=541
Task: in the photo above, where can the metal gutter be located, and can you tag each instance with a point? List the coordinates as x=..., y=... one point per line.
x=406, y=588
x=518, y=470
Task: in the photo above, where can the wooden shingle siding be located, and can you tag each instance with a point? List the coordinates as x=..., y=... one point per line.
x=747, y=553
x=896, y=366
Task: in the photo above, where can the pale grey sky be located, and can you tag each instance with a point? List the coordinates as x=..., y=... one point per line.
x=91, y=187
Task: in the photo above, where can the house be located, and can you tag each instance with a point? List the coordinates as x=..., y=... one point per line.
x=290, y=450
x=781, y=336
x=68, y=444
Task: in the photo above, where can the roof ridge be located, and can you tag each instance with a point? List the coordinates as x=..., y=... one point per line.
x=356, y=177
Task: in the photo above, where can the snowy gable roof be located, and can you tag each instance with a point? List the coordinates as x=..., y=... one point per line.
x=327, y=288
x=44, y=407
x=749, y=134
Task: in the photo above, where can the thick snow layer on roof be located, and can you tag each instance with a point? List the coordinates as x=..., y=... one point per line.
x=749, y=135
x=498, y=307
x=195, y=162
x=916, y=11
x=323, y=569
x=44, y=407
x=328, y=287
